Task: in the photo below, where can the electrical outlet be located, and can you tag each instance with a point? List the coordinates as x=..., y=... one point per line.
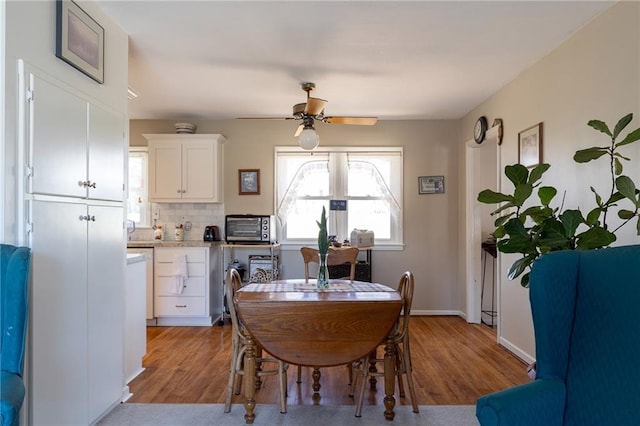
x=187, y=226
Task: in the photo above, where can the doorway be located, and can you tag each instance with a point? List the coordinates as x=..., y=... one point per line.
x=482, y=172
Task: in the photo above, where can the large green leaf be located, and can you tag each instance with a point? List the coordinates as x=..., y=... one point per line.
x=524, y=281
x=571, y=219
x=599, y=125
x=593, y=218
x=505, y=206
x=502, y=220
x=552, y=235
x=519, y=266
x=488, y=196
x=625, y=185
x=546, y=194
x=537, y=172
x=617, y=167
x=638, y=226
x=517, y=174
x=598, y=197
x=630, y=138
x=586, y=155
x=594, y=238
x=626, y=214
x=538, y=214
x=522, y=193
x=622, y=123
x=617, y=154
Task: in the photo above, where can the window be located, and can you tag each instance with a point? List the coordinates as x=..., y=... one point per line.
x=138, y=201
x=369, y=179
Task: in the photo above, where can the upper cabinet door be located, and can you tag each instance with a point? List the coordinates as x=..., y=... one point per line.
x=165, y=170
x=199, y=171
x=57, y=136
x=106, y=154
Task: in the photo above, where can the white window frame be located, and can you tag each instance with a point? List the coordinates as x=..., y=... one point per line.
x=397, y=241
x=147, y=208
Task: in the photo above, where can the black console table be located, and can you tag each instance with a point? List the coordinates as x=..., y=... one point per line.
x=488, y=249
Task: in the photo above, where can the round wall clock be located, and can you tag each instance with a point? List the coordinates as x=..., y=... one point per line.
x=480, y=129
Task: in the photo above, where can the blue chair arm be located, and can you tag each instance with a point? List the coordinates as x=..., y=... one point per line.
x=537, y=403
x=11, y=397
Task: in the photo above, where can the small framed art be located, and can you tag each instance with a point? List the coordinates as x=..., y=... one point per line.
x=431, y=185
x=249, y=181
x=530, y=146
x=79, y=40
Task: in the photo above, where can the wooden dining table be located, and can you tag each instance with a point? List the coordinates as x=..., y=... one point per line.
x=302, y=325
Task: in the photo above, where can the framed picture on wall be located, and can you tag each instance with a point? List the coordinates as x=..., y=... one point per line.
x=530, y=146
x=79, y=40
x=431, y=185
x=249, y=181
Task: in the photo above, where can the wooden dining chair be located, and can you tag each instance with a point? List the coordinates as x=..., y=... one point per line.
x=336, y=256
x=400, y=334
x=233, y=283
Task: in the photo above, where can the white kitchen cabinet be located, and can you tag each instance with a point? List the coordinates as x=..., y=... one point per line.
x=75, y=146
x=185, y=168
x=74, y=152
x=135, y=323
x=77, y=309
x=194, y=304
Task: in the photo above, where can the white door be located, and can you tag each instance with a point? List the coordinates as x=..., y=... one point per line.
x=198, y=171
x=106, y=159
x=165, y=171
x=57, y=138
x=106, y=261
x=58, y=314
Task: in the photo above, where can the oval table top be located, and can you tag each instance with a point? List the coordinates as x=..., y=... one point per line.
x=299, y=324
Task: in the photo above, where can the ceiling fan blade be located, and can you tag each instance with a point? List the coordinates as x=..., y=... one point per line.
x=299, y=130
x=314, y=106
x=362, y=121
x=265, y=118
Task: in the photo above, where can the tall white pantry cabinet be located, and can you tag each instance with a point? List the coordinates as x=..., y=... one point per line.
x=74, y=191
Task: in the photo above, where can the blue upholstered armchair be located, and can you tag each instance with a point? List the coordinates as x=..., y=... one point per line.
x=14, y=274
x=586, y=316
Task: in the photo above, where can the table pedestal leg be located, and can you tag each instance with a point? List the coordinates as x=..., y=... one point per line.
x=250, y=380
x=389, y=378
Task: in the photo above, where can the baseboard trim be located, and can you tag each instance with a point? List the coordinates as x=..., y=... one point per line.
x=435, y=312
x=516, y=351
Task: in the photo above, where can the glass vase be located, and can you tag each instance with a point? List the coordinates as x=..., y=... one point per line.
x=323, y=272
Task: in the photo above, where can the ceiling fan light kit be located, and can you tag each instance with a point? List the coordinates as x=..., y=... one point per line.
x=308, y=139
x=313, y=110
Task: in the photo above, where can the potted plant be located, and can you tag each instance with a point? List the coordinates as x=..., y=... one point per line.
x=323, y=251
x=532, y=229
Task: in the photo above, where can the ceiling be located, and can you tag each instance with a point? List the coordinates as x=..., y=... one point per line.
x=393, y=60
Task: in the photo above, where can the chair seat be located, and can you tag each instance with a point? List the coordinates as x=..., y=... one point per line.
x=11, y=396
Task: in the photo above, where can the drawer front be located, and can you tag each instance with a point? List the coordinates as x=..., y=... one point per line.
x=194, y=254
x=180, y=306
x=168, y=269
x=164, y=286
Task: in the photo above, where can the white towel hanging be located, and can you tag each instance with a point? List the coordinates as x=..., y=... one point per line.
x=180, y=274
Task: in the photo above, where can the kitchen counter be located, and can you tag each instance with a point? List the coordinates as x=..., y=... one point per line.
x=170, y=243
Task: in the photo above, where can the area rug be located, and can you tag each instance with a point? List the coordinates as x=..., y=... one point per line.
x=269, y=414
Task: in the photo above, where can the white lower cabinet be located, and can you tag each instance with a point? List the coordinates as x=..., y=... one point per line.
x=76, y=314
x=186, y=301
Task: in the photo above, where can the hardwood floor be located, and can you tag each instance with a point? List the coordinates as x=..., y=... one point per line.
x=454, y=363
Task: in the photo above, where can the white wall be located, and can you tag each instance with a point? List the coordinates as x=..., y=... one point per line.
x=594, y=75
x=430, y=221
x=30, y=36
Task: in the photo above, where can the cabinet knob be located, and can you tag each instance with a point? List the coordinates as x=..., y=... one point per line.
x=91, y=218
x=91, y=184
x=178, y=191
x=184, y=191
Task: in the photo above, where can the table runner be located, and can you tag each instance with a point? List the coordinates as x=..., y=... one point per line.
x=301, y=286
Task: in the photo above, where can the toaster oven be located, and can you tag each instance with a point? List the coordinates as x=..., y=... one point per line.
x=249, y=228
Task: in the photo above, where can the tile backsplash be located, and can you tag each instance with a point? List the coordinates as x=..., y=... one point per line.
x=170, y=214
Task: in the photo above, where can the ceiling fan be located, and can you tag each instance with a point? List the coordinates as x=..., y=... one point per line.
x=313, y=110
